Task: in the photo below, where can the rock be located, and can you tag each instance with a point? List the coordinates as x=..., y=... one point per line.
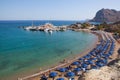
x=107, y=15
x=105, y=73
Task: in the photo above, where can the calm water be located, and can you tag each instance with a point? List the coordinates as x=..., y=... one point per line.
x=23, y=51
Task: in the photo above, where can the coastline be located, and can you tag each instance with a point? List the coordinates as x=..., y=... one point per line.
x=68, y=61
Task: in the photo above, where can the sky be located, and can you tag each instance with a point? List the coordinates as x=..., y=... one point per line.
x=53, y=9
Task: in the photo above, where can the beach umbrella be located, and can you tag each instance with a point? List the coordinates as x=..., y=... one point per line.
x=81, y=59
x=106, y=55
x=93, y=53
x=75, y=63
x=84, y=65
x=88, y=56
x=53, y=75
x=102, y=55
x=98, y=57
x=110, y=52
x=70, y=74
x=90, y=62
x=67, y=68
x=99, y=64
x=77, y=69
x=94, y=67
x=103, y=61
x=60, y=79
x=62, y=69
x=85, y=57
x=93, y=58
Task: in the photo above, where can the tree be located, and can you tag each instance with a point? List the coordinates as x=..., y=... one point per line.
x=100, y=27
x=85, y=25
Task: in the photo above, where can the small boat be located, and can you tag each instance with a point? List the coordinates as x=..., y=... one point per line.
x=50, y=31
x=30, y=28
x=27, y=28
x=46, y=30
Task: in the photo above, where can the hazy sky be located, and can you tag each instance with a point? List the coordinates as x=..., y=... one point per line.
x=53, y=9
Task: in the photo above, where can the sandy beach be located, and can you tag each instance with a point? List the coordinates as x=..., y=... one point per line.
x=67, y=62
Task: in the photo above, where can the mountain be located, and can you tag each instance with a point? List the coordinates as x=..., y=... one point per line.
x=107, y=15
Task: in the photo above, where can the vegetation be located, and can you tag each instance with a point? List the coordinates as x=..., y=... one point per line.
x=115, y=27
x=102, y=26
x=85, y=25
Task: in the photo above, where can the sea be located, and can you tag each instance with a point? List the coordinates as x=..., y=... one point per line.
x=24, y=52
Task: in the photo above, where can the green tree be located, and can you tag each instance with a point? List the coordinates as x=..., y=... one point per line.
x=85, y=25
x=100, y=27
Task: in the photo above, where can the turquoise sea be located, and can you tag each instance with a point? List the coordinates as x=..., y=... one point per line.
x=24, y=52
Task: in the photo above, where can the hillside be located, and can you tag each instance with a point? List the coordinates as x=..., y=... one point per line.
x=115, y=27
x=107, y=15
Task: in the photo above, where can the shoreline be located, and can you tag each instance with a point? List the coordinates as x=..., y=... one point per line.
x=35, y=69
x=68, y=61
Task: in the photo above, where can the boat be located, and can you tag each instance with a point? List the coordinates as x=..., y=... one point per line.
x=46, y=30
x=50, y=31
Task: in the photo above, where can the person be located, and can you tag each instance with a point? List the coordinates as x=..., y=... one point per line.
x=44, y=77
x=40, y=69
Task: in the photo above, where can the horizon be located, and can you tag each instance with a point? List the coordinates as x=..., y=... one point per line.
x=41, y=20
x=53, y=10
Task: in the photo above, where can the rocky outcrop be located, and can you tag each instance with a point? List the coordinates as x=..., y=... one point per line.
x=75, y=26
x=111, y=72
x=107, y=15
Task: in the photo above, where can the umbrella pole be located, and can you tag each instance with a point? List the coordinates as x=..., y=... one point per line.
x=53, y=78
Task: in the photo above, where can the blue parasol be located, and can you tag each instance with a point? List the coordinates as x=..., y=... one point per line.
x=84, y=65
x=53, y=74
x=77, y=69
x=75, y=63
x=89, y=62
x=60, y=79
x=94, y=67
x=70, y=74
x=62, y=69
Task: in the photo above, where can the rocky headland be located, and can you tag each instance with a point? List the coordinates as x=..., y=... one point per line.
x=107, y=15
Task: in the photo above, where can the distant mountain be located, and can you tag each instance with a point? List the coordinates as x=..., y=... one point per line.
x=107, y=15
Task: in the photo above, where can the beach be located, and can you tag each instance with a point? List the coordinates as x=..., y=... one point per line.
x=67, y=62
x=37, y=75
